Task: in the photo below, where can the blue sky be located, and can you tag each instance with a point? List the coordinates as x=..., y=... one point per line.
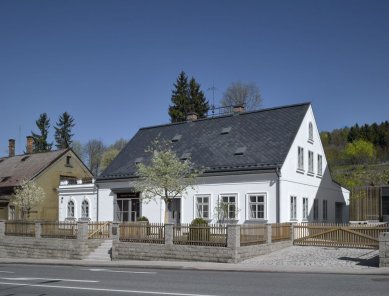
x=112, y=64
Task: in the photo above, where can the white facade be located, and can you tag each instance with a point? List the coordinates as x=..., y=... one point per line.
x=77, y=201
x=301, y=190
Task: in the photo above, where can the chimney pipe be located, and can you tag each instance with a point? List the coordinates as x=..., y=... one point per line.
x=238, y=109
x=192, y=116
x=30, y=144
x=11, y=146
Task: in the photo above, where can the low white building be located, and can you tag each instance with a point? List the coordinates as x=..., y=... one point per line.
x=267, y=166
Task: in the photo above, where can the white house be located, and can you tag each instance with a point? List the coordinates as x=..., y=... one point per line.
x=267, y=165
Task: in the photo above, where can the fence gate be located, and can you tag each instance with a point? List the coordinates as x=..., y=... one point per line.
x=338, y=235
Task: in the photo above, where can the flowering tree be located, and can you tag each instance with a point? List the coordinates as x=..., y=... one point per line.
x=26, y=197
x=166, y=177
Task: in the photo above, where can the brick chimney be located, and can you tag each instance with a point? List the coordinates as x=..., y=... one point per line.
x=11, y=146
x=238, y=109
x=192, y=116
x=30, y=144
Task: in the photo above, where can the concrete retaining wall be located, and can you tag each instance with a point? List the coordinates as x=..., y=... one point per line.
x=384, y=249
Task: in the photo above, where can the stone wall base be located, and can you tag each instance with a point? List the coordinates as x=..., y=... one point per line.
x=384, y=249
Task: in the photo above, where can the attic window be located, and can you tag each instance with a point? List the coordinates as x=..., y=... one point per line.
x=185, y=156
x=240, y=150
x=68, y=158
x=225, y=130
x=138, y=160
x=25, y=158
x=176, y=138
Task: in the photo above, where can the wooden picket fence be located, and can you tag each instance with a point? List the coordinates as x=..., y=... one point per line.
x=200, y=235
x=338, y=235
x=142, y=232
x=98, y=230
x=20, y=228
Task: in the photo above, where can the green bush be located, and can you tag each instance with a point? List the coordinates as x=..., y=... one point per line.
x=143, y=219
x=199, y=230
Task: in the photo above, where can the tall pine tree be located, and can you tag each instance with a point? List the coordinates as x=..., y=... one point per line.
x=186, y=98
x=63, y=131
x=40, y=140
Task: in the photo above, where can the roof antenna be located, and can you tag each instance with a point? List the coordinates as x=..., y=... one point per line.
x=213, y=88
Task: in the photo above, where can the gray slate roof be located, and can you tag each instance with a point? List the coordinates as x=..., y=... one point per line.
x=255, y=140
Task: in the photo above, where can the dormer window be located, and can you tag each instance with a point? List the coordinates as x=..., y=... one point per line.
x=185, y=156
x=240, y=150
x=310, y=132
x=176, y=138
x=138, y=160
x=225, y=130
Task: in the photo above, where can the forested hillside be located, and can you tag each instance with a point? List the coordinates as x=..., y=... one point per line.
x=358, y=155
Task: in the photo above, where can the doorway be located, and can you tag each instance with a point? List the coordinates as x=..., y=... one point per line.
x=176, y=211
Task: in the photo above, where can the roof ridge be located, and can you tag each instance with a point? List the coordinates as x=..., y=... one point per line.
x=227, y=115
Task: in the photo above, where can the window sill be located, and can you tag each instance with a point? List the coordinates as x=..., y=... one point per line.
x=300, y=171
x=293, y=220
x=319, y=176
x=310, y=141
x=311, y=174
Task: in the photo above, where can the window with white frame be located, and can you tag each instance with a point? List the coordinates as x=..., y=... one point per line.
x=229, y=206
x=293, y=207
x=85, y=209
x=319, y=165
x=300, y=157
x=70, y=209
x=316, y=209
x=310, y=162
x=310, y=132
x=257, y=206
x=305, y=208
x=202, y=206
x=325, y=210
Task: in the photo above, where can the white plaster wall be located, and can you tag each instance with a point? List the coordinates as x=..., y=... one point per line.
x=77, y=193
x=301, y=184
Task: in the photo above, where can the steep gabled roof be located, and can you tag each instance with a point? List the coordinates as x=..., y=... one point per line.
x=241, y=142
x=13, y=170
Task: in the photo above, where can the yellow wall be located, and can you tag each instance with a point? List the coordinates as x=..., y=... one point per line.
x=49, y=181
x=4, y=213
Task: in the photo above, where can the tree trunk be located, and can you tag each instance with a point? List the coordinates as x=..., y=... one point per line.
x=169, y=212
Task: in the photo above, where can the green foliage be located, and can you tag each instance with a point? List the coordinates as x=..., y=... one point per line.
x=186, y=98
x=359, y=152
x=199, y=221
x=26, y=197
x=238, y=93
x=166, y=176
x=40, y=140
x=63, y=131
x=143, y=219
x=107, y=157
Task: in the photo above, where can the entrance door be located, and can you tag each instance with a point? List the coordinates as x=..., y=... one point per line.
x=176, y=210
x=339, y=212
x=127, y=207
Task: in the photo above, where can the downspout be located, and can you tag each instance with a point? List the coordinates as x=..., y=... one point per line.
x=97, y=202
x=278, y=194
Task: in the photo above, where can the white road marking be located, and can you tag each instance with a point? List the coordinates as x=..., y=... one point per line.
x=108, y=290
x=121, y=271
x=47, y=279
x=6, y=271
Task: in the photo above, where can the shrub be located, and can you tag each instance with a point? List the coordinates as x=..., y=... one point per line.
x=199, y=230
x=143, y=219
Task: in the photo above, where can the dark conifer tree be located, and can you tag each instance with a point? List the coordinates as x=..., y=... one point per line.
x=40, y=140
x=198, y=102
x=63, y=131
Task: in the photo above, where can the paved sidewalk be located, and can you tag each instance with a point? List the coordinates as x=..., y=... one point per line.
x=291, y=259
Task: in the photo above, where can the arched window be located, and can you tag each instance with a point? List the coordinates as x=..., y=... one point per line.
x=70, y=209
x=310, y=132
x=85, y=209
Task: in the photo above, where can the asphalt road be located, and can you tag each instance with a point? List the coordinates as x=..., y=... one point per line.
x=18, y=279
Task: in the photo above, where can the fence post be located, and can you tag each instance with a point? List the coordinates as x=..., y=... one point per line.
x=82, y=232
x=233, y=236
x=292, y=232
x=269, y=233
x=38, y=229
x=114, y=231
x=2, y=228
x=169, y=234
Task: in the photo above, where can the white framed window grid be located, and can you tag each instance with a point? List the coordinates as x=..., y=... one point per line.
x=230, y=202
x=310, y=162
x=319, y=165
x=305, y=208
x=202, y=206
x=293, y=207
x=257, y=206
x=300, y=157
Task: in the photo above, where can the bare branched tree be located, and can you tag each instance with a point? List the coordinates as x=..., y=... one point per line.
x=239, y=93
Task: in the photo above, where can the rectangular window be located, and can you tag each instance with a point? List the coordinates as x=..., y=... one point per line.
x=202, y=206
x=316, y=209
x=305, y=208
x=257, y=205
x=300, y=156
x=127, y=207
x=319, y=165
x=229, y=206
x=325, y=209
x=293, y=207
x=310, y=162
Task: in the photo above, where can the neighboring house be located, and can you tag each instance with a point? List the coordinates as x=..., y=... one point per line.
x=47, y=169
x=269, y=164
